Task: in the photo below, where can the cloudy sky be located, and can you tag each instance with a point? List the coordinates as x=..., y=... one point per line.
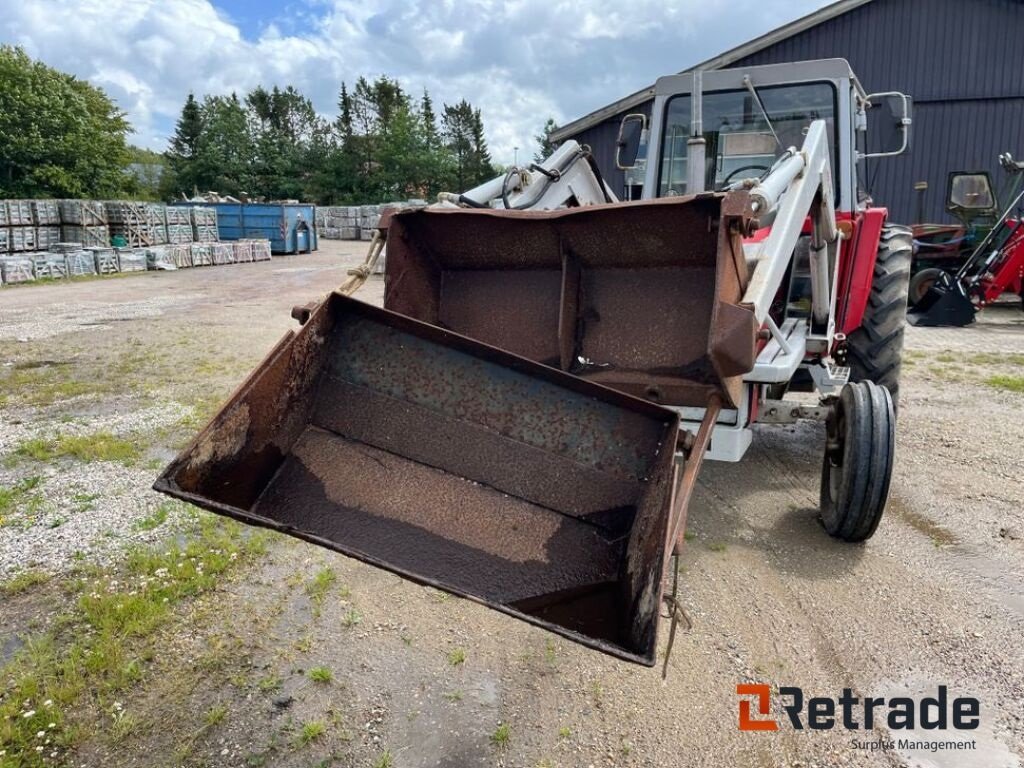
x=520, y=61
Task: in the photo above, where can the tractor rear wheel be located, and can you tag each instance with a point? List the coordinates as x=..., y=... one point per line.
x=858, y=462
x=876, y=348
x=921, y=282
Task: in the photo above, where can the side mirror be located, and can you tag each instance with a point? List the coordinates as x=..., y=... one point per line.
x=889, y=123
x=970, y=194
x=632, y=135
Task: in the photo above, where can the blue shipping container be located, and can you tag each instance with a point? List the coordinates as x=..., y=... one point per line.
x=289, y=228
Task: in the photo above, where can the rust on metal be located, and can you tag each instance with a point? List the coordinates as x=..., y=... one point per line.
x=643, y=297
x=455, y=464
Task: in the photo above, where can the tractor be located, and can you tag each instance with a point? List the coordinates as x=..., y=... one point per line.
x=524, y=421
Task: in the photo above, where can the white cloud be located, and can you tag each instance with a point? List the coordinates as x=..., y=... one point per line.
x=520, y=61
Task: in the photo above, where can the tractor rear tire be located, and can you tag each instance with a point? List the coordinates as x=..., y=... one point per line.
x=921, y=282
x=858, y=461
x=876, y=348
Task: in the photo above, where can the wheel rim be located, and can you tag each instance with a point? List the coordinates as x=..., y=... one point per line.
x=834, y=456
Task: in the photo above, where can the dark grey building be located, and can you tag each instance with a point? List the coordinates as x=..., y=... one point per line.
x=962, y=62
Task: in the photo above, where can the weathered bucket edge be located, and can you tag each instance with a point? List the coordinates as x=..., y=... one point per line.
x=168, y=487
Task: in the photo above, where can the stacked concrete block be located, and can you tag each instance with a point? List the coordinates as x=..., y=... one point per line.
x=204, y=224
x=243, y=251
x=19, y=213
x=105, y=260
x=202, y=255
x=49, y=265
x=80, y=264
x=90, y=235
x=180, y=254
x=45, y=212
x=47, y=237
x=132, y=221
x=131, y=259
x=5, y=240
x=157, y=216
x=83, y=213
x=222, y=253
x=21, y=239
x=260, y=250
x=15, y=270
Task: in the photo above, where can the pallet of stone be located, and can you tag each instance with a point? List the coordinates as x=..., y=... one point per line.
x=178, y=214
x=180, y=254
x=105, y=260
x=5, y=240
x=21, y=239
x=204, y=225
x=260, y=250
x=16, y=269
x=222, y=253
x=49, y=265
x=89, y=235
x=131, y=259
x=157, y=214
x=83, y=213
x=243, y=251
x=131, y=220
x=202, y=255
x=3, y=213
x=179, y=233
x=19, y=213
x=79, y=263
x=160, y=257
x=45, y=213
x=47, y=237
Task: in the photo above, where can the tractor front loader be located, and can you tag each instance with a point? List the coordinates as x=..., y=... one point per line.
x=524, y=421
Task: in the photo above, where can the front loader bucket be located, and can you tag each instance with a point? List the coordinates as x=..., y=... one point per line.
x=944, y=304
x=453, y=464
x=644, y=297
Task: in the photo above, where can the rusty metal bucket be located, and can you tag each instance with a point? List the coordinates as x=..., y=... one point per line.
x=454, y=464
x=644, y=297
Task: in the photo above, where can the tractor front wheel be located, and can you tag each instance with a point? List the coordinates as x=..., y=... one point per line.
x=855, y=474
x=876, y=348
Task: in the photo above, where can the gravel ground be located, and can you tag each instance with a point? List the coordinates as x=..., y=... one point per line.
x=934, y=598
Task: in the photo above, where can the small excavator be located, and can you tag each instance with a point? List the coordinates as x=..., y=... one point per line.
x=524, y=421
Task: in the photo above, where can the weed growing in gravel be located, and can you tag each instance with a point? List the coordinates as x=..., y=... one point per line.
x=385, y=760
x=24, y=581
x=102, y=644
x=453, y=696
x=19, y=498
x=215, y=715
x=456, y=656
x=564, y=732
x=269, y=683
x=318, y=587
x=717, y=546
x=311, y=731
x=1007, y=383
x=99, y=446
x=320, y=675
x=155, y=519
x=501, y=736
x=351, y=618
x=45, y=383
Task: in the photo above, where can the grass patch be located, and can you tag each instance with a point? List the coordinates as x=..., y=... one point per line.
x=717, y=546
x=564, y=732
x=20, y=498
x=501, y=736
x=311, y=731
x=453, y=696
x=318, y=587
x=106, y=638
x=99, y=446
x=385, y=760
x=456, y=657
x=24, y=581
x=155, y=519
x=1006, y=383
x=351, y=618
x=215, y=715
x=320, y=675
x=44, y=383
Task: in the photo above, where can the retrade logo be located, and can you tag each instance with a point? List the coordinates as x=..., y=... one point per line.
x=822, y=713
x=764, y=699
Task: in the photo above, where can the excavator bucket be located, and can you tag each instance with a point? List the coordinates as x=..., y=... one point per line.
x=454, y=464
x=643, y=297
x=944, y=304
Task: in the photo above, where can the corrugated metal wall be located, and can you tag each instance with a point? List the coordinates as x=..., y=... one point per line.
x=961, y=60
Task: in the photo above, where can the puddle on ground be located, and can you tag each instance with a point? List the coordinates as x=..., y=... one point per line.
x=921, y=523
x=988, y=752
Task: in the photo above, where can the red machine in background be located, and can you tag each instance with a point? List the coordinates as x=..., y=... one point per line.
x=995, y=267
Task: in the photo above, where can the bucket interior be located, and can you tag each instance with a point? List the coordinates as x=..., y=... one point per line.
x=641, y=297
x=453, y=464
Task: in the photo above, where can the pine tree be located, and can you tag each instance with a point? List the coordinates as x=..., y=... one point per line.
x=544, y=144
